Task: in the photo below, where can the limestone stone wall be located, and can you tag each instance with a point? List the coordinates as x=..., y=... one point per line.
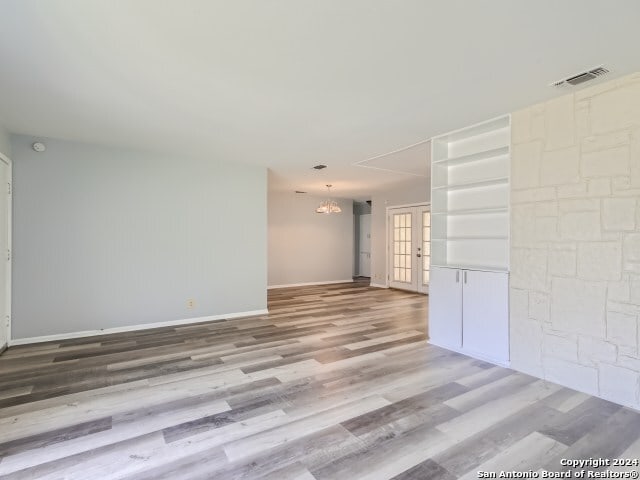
x=575, y=240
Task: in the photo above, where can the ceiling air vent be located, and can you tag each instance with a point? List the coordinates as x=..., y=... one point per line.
x=582, y=77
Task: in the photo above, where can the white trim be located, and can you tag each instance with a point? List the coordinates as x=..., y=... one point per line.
x=421, y=204
x=307, y=284
x=131, y=328
x=378, y=285
x=9, y=278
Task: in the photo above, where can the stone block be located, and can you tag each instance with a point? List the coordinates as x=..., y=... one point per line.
x=529, y=269
x=619, y=214
x=563, y=260
x=592, y=351
x=573, y=190
x=534, y=195
x=605, y=163
x=579, y=205
x=546, y=209
x=606, y=141
x=634, y=161
x=539, y=306
x=632, y=362
x=578, y=306
x=622, y=307
x=580, y=226
x=573, y=375
x=583, y=122
x=634, y=290
x=621, y=183
x=622, y=329
x=518, y=305
x=559, y=122
x=618, y=291
x=525, y=160
x=537, y=122
x=597, y=89
x=525, y=342
x=616, y=109
x=559, y=167
x=563, y=346
x=631, y=252
x=600, y=261
x=619, y=384
x=599, y=187
x=522, y=226
x=521, y=126
x=546, y=229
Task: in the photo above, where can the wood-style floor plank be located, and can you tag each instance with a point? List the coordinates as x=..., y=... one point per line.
x=336, y=382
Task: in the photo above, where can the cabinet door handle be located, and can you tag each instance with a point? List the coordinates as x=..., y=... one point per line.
x=465, y=277
x=457, y=276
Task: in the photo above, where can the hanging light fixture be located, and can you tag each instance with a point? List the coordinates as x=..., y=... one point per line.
x=328, y=206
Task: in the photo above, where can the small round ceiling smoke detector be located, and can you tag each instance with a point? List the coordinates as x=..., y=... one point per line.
x=39, y=147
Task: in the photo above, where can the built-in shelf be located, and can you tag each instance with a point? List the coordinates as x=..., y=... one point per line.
x=471, y=237
x=470, y=197
x=473, y=211
x=473, y=157
x=475, y=184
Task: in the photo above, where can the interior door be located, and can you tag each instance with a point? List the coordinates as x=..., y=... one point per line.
x=5, y=284
x=364, y=265
x=423, y=263
x=409, y=248
x=402, y=249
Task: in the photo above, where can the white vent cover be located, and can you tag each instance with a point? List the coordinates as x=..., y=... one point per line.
x=581, y=77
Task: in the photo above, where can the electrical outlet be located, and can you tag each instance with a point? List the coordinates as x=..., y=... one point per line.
x=191, y=303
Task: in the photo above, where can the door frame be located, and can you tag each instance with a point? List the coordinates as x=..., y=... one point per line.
x=8, y=278
x=387, y=234
x=360, y=239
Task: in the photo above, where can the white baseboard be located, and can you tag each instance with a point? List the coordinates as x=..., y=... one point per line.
x=131, y=328
x=378, y=285
x=307, y=284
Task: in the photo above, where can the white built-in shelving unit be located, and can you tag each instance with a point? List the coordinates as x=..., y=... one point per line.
x=470, y=197
x=469, y=283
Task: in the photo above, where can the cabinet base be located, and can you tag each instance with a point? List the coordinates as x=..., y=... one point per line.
x=500, y=363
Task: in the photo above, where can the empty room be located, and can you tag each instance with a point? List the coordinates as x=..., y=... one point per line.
x=294, y=239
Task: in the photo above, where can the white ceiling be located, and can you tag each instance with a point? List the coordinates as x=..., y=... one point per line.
x=293, y=83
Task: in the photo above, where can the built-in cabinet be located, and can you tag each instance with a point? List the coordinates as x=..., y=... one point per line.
x=469, y=288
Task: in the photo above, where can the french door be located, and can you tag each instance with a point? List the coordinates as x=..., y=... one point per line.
x=409, y=247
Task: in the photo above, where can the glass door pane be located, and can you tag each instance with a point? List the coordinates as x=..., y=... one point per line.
x=426, y=246
x=402, y=247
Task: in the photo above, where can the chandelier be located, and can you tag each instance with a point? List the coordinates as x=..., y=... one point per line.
x=328, y=205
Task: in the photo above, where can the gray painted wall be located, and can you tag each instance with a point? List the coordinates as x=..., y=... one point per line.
x=111, y=237
x=305, y=246
x=5, y=144
x=411, y=192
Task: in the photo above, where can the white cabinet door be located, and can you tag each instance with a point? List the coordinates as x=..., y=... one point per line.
x=486, y=314
x=445, y=307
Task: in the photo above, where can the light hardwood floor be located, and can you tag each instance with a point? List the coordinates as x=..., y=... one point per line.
x=337, y=382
